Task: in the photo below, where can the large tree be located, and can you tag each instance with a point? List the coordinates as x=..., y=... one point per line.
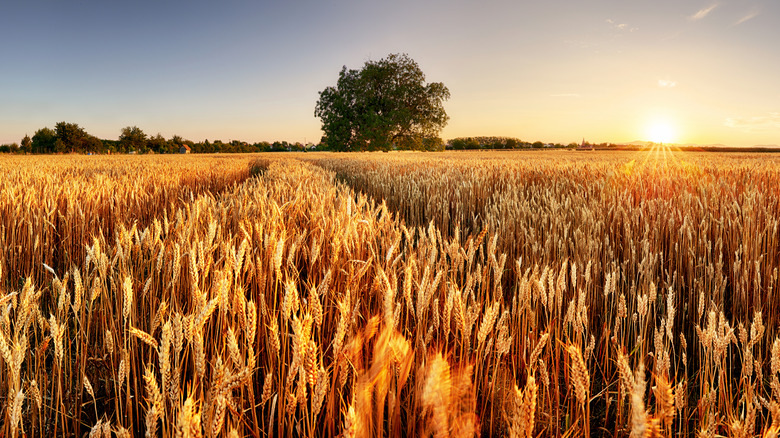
x=385, y=104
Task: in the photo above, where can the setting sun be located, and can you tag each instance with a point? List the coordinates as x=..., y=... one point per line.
x=661, y=131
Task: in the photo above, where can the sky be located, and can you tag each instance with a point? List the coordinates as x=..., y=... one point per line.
x=683, y=71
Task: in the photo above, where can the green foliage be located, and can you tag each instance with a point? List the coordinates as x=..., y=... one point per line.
x=158, y=144
x=26, y=144
x=72, y=138
x=384, y=105
x=43, y=141
x=462, y=143
x=8, y=148
x=65, y=138
x=133, y=139
x=419, y=143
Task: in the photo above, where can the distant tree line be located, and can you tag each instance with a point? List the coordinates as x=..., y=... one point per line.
x=462, y=143
x=71, y=138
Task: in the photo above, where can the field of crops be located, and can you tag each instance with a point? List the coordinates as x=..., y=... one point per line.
x=508, y=294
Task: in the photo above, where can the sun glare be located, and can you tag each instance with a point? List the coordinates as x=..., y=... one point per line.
x=661, y=131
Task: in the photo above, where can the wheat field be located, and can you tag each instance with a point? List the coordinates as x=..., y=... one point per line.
x=508, y=294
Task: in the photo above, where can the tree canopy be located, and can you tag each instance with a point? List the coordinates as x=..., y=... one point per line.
x=65, y=137
x=70, y=137
x=384, y=105
x=133, y=138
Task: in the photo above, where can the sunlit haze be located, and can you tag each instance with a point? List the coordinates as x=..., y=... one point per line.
x=557, y=71
x=660, y=131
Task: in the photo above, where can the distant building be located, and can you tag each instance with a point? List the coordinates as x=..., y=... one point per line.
x=585, y=146
x=184, y=149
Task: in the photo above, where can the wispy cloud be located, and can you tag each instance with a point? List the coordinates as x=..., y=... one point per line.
x=620, y=26
x=755, y=123
x=566, y=95
x=665, y=83
x=749, y=16
x=701, y=13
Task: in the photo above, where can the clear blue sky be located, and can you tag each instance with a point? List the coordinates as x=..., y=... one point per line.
x=612, y=70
